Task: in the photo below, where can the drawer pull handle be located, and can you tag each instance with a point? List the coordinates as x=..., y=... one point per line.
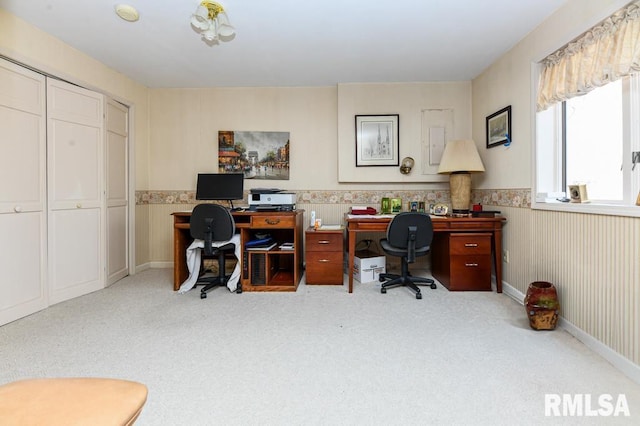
x=272, y=221
x=323, y=242
x=324, y=260
x=471, y=264
x=471, y=245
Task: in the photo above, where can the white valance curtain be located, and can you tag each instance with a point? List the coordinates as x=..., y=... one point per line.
x=603, y=54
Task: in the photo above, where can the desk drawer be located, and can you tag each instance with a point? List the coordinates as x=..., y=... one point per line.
x=272, y=221
x=470, y=244
x=470, y=273
x=324, y=267
x=324, y=241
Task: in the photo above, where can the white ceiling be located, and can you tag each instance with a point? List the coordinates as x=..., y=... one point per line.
x=293, y=42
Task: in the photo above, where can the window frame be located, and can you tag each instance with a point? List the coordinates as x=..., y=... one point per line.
x=631, y=143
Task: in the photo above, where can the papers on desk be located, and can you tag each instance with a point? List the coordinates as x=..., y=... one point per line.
x=370, y=216
x=331, y=227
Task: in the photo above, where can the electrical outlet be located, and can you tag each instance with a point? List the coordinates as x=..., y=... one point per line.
x=505, y=256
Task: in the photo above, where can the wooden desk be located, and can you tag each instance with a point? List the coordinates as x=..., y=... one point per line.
x=282, y=268
x=491, y=225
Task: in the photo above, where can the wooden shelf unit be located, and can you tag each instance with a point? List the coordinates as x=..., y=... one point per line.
x=279, y=270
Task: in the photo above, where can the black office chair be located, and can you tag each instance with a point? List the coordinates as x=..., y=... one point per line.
x=213, y=223
x=409, y=235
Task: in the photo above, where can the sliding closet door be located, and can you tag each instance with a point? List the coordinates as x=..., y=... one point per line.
x=75, y=154
x=117, y=181
x=22, y=192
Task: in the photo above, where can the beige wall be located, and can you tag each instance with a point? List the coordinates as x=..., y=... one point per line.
x=592, y=259
x=185, y=123
x=408, y=100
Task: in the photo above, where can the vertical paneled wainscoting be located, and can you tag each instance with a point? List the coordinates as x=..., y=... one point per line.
x=594, y=262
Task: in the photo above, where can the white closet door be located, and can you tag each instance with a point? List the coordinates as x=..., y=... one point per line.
x=22, y=192
x=117, y=191
x=75, y=154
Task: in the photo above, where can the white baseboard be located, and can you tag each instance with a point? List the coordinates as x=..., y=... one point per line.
x=626, y=366
x=143, y=267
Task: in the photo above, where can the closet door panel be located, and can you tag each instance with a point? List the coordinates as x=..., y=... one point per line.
x=21, y=180
x=74, y=252
x=75, y=150
x=75, y=160
x=23, y=288
x=117, y=182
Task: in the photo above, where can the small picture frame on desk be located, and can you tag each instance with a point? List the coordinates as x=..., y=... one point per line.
x=413, y=206
x=440, y=209
x=396, y=205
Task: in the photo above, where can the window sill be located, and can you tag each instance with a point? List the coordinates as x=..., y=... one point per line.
x=587, y=208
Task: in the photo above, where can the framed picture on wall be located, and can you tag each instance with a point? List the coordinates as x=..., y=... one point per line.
x=499, y=127
x=377, y=140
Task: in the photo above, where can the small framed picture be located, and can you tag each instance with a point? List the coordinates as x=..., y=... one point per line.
x=578, y=193
x=377, y=140
x=440, y=209
x=396, y=205
x=385, y=206
x=499, y=128
x=421, y=206
x=413, y=206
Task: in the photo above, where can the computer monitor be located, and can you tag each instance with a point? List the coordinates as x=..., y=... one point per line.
x=220, y=186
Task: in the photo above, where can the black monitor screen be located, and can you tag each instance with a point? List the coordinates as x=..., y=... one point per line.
x=220, y=186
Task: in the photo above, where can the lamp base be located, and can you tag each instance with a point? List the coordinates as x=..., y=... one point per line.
x=460, y=187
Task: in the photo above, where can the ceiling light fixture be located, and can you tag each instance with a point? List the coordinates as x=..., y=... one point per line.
x=212, y=21
x=126, y=12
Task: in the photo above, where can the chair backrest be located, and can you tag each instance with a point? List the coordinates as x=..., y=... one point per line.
x=398, y=230
x=212, y=222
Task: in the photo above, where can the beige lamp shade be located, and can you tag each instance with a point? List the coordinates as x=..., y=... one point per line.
x=460, y=156
x=460, y=159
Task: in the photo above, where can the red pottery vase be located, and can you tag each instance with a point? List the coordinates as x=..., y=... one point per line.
x=541, y=303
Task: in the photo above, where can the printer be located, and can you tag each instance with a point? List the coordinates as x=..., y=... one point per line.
x=271, y=199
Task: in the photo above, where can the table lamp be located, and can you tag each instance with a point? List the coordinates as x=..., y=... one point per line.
x=459, y=160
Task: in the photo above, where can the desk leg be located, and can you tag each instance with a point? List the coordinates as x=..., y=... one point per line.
x=497, y=257
x=180, y=244
x=352, y=248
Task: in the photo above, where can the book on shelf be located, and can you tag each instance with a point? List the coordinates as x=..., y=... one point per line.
x=286, y=246
x=259, y=242
x=262, y=247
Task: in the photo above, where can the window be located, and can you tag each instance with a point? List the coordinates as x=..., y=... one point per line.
x=590, y=139
x=587, y=124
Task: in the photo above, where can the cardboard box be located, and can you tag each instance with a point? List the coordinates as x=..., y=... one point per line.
x=368, y=265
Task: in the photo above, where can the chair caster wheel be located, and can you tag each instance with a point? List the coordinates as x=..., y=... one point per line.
x=203, y=295
x=381, y=278
x=383, y=290
x=239, y=290
x=418, y=295
x=433, y=286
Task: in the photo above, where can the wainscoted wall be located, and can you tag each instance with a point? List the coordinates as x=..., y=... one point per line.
x=154, y=208
x=592, y=259
x=594, y=262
